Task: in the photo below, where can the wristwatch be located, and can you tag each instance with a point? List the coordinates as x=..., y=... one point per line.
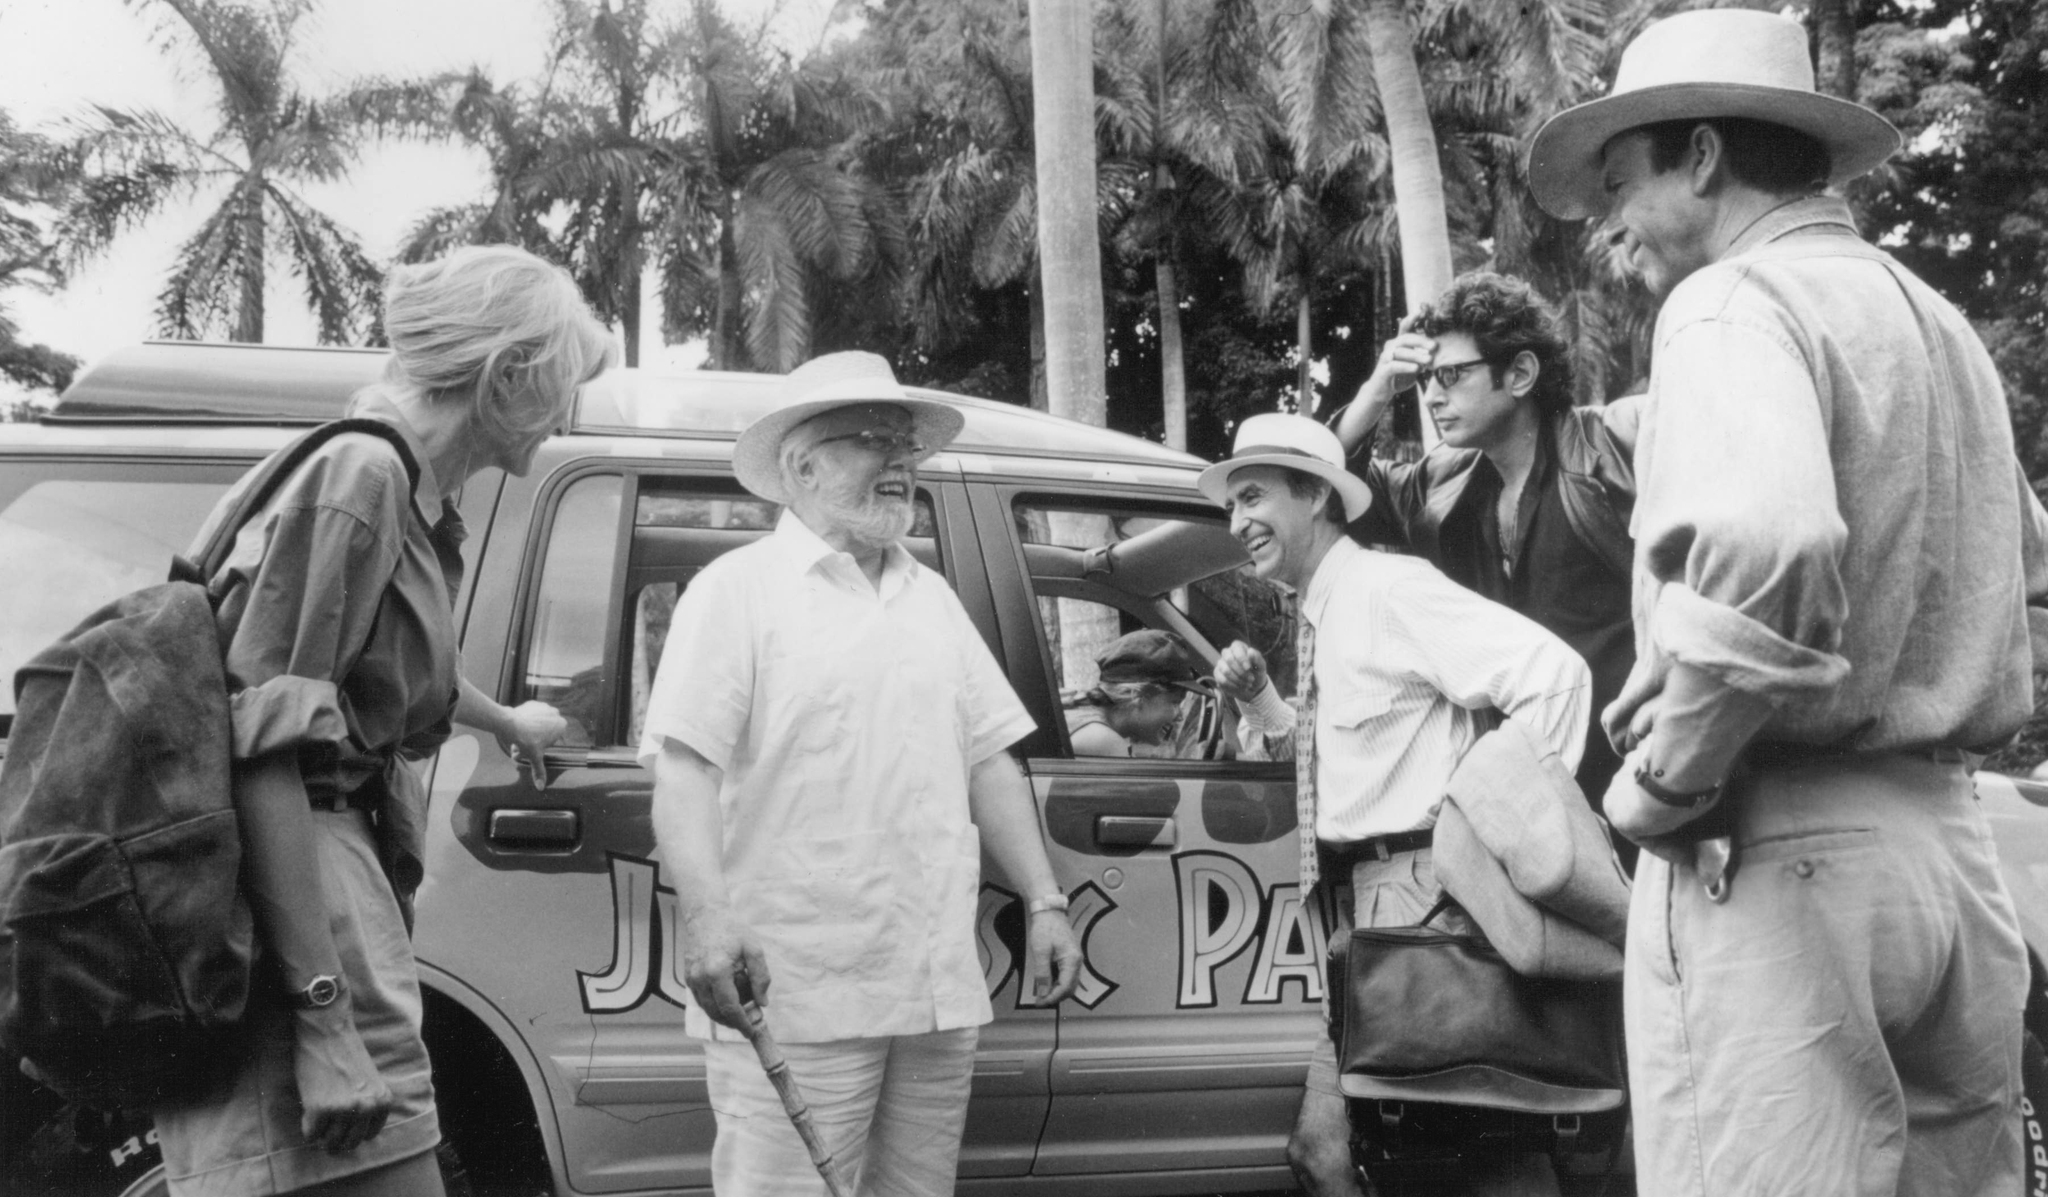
x=320, y=992
x=1049, y=902
x=1647, y=782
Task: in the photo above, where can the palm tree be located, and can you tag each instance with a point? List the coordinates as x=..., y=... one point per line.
x=32, y=173
x=768, y=204
x=515, y=128
x=272, y=136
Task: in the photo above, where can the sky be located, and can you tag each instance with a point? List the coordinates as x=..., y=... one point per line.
x=60, y=57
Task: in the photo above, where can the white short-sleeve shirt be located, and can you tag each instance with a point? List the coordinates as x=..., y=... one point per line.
x=845, y=721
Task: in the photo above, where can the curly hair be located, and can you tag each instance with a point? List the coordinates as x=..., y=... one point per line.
x=1504, y=316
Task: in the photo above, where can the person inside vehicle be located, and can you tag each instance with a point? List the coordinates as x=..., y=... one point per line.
x=340, y=642
x=1143, y=685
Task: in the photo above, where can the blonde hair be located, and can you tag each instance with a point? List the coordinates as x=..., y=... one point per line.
x=495, y=327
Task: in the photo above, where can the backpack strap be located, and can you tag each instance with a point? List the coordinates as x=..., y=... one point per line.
x=271, y=474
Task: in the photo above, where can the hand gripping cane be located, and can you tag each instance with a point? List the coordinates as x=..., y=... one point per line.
x=777, y=1069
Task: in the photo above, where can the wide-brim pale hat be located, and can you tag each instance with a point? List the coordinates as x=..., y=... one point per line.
x=1696, y=65
x=816, y=387
x=1293, y=443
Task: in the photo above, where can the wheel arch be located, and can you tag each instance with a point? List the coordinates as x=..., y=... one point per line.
x=460, y=1021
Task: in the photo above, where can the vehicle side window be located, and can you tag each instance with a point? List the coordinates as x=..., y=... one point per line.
x=76, y=543
x=565, y=662
x=1098, y=572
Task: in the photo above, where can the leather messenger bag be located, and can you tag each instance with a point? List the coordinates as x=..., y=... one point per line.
x=1422, y=1014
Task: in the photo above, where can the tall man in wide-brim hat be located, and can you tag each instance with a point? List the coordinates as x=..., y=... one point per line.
x=1835, y=553
x=829, y=739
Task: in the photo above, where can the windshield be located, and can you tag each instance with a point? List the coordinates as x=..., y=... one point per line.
x=76, y=537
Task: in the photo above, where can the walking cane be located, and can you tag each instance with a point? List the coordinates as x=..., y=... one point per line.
x=777, y=1068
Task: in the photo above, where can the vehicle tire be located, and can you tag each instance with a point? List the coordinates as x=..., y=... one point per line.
x=79, y=1152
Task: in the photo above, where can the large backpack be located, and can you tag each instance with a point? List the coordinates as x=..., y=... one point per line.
x=126, y=944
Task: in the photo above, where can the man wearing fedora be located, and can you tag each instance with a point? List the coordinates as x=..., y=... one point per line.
x=828, y=734
x=1835, y=550
x=1397, y=663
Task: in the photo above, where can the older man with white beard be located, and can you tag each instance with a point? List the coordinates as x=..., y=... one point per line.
x=828, y=734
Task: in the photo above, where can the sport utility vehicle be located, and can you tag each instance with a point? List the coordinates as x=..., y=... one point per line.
x=545, y=927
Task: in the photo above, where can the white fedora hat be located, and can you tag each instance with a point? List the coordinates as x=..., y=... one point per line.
x=818, y=386
x=1293, y=443
x=1696, y=65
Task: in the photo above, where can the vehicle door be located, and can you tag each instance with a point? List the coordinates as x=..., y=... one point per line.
x=552, y=905
x=1187, y=1044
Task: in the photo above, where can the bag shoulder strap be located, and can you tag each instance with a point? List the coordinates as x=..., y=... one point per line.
x=270, y=476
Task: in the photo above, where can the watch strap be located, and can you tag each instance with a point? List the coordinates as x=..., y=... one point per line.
x=1646, y=781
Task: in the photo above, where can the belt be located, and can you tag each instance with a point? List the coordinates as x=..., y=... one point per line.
x=1377, y=847
x=361, y=799
x=1769, y=755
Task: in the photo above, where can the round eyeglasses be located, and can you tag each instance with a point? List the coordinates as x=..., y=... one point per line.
x=888, y=444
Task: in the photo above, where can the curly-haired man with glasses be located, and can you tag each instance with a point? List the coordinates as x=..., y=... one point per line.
x=1527, y=498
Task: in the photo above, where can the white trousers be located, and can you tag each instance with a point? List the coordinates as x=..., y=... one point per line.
x=889, y=1109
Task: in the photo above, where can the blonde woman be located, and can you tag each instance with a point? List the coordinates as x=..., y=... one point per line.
x=341, y=639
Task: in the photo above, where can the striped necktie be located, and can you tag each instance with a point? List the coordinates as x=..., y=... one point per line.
x=1305, y=754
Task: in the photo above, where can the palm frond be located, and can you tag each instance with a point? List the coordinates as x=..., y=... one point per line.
x=443, y=229
x=342, y=284
x=772, y=273
x=198, y=296
x=819, y=210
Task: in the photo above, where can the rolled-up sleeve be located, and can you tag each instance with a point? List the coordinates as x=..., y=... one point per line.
x=1737, y=520
x=314, y=570
x=703, y=691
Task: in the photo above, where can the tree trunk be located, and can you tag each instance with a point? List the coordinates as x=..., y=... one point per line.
x=1040, y=401
x=1835, y=21
x=1173, y=378
x=1069, y=256
x=1304, y=380
x=725, y=331
x=629, y=301
x=1418, y=176
x=249, y=309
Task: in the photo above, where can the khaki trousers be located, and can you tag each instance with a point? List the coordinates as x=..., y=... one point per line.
x=1848, y=1022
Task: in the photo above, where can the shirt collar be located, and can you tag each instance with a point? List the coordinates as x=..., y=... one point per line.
x=1818, y=213
x=1317, y=596
x=805, y=550
x=426, y=497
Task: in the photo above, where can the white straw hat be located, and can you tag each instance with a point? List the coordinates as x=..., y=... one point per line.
x=819, y=385
x=1697, y=65
x=1293, y=443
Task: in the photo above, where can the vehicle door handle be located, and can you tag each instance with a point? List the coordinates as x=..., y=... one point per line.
x=554, y=828
x=1134, y=831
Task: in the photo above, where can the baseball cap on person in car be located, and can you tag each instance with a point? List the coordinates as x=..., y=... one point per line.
x=1152, y=656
